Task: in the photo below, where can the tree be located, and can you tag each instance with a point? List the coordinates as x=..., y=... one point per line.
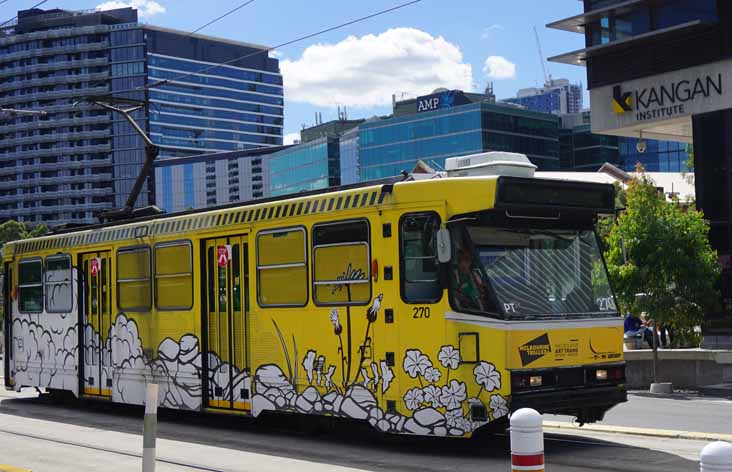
x=12, y=230
x=660, y=260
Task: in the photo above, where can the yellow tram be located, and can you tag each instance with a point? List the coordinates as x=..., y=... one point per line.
x=431, y=307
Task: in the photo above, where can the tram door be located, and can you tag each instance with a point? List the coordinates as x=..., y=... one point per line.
x=227, y=298
x=97, y=313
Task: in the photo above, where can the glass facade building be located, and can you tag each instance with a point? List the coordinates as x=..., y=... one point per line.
x=391, y=145
x=307, y=166
x=184, y=183
x=660, y=156
x=77, y=160
x=557, y=97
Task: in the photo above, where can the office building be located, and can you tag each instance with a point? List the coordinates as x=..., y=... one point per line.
x=307, y=166
x=184, y=183
x=557, y=97
x=452, y=123
x=661, y=70
x=78, y=159
x=583, y=150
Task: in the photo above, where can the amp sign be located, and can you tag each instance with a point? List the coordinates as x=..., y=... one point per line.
x=439, y=100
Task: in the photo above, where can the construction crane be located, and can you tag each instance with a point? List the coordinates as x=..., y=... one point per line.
x=547, y=75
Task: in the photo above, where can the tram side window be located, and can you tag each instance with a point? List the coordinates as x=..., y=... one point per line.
x=30, y=285
x=282, y=276
x=133, y=279
x=420, y=281
x=341, y=263
x=173, y=276
x=59, y=292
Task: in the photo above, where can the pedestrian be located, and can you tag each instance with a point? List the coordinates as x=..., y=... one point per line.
x=634, y=325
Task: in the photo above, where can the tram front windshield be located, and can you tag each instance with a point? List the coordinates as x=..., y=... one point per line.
x=528, y=274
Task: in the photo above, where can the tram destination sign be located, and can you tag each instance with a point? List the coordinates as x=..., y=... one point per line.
x=662, y=97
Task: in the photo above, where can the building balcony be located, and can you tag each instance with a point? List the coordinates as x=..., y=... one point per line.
x=42, y=124
x=74, y=48
x=53, y=66
x=56, y=94
x=55, y=33
x=66, y=179
x=8, y=156
x=57, y=137
x=90, y=163
x=66, y=79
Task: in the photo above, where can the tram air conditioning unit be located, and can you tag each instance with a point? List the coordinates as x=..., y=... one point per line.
x=490, y=163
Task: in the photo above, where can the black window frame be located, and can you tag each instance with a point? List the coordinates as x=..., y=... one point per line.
x=402, y=265
x=313, y=246
x=20, y=286
x=71, y=280
x=154, y=273
x=150, y=278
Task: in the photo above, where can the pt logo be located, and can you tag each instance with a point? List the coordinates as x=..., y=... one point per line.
x=622, y=102
x=535, y=349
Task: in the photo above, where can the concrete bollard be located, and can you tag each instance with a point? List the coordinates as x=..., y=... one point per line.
x=527, y=441
x=150, y=428
x=716, y=457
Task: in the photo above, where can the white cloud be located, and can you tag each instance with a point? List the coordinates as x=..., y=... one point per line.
x=276, y=54
x=498, y=67
x=290, y=138
x=365, y=71
x=489, y=30
x=145, y=8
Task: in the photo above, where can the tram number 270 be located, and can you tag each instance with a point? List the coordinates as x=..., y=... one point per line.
x=421, y=312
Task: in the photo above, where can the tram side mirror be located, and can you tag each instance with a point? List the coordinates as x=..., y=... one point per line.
x=444, y=248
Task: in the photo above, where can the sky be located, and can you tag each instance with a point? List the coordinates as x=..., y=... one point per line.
x=461, y=44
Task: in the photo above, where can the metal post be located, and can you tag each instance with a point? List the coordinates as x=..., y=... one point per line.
x=716, y=457
x=527, y=441
x=150, y=428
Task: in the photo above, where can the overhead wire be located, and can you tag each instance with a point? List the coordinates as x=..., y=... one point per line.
x=16, y=16
x=220, y=17
x=286, y=43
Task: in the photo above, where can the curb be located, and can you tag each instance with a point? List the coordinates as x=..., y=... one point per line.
x=658, y=433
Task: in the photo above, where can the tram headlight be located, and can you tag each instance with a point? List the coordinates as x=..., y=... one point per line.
x=536, y=381
x=601, y=375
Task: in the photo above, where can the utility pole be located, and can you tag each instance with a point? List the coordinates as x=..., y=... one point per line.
x=151, y=151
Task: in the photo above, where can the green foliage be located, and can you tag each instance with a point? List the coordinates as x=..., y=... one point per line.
x=660, y=260
x=12, y=231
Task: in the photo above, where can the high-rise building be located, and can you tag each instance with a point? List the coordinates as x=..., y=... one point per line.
x=557, y=97
x=185, y=183
x=78, y=159
x=308, y=166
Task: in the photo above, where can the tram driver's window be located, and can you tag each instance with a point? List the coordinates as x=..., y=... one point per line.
x=173, y=276
x=133, y=279
x=282, y=275
x=341, y=263
x=420, y=280
x=30, y=285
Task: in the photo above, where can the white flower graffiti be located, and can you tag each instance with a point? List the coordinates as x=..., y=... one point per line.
x=452, y=417
x=387, y=375
x=416, y=363
x=334, y=319
x=499, y=406
x=308, y=363
x=453, y=395
x=432, y=375
x=413, y=398
x=432, y=395
x=487, y=376
x=449, y=357
x=329, y=376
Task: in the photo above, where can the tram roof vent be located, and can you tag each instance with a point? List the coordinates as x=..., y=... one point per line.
x=490, y=163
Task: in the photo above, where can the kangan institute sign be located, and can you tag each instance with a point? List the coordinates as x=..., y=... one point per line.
x=662, y=97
